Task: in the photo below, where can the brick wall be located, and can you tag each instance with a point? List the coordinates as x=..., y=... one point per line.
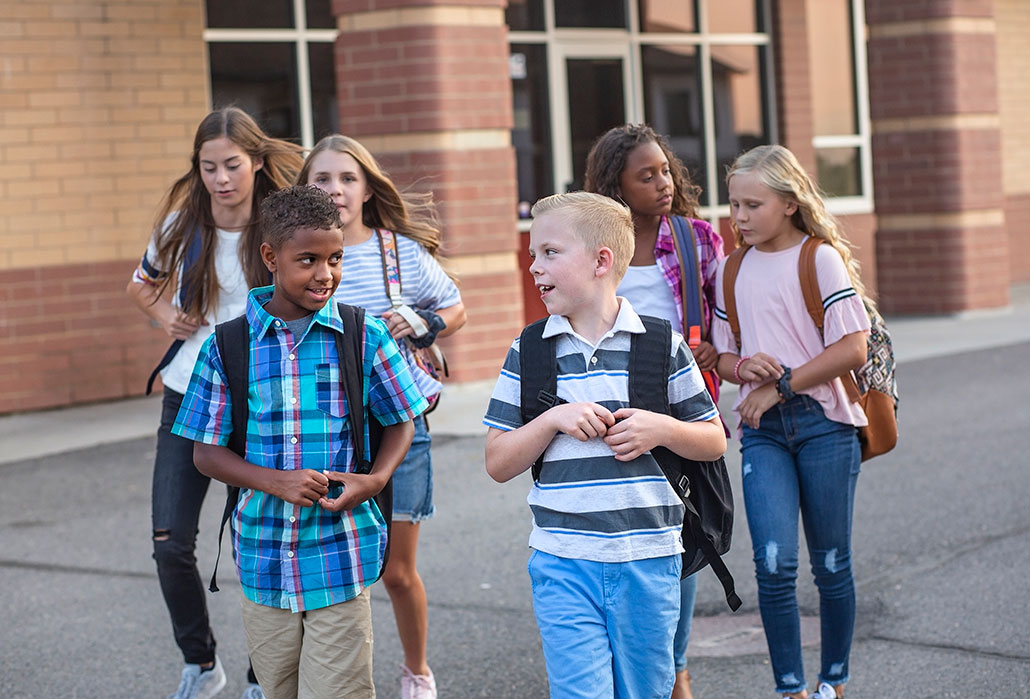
x=98, y=102
x=1013, y=21
x=425, y=87
x=941, y=240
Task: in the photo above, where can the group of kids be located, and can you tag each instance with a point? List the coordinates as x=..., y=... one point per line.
x=252, y=230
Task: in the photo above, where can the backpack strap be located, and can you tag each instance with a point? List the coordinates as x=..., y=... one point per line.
x=233, y=340
x=649, y=390
x=191, y=258
x=729, y=281
x=810, y=282
x=538, y=377
x=691, y=295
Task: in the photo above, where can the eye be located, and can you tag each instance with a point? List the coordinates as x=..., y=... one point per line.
x=349, y=178
x=307, y=259
x=320, y=179
x=336, y=258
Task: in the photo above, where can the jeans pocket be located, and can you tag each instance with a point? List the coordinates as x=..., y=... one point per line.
x=329, y=391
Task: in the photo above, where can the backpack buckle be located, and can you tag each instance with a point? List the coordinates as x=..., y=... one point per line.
x=684, y=485
x=549, y=399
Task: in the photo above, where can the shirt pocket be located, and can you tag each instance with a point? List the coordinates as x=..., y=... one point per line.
x=329, y=390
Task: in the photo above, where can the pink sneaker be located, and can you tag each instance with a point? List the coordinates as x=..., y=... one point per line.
x=417, y=686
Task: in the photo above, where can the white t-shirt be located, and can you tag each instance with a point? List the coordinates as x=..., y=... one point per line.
x=646, y=289
x=231, y=302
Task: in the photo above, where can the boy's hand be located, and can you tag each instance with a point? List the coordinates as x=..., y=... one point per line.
x=581, y=420
x=705, y=356
x=357, y=488
x=303, y=488
x=756, y=403
x=760, y=368
x=637, y=432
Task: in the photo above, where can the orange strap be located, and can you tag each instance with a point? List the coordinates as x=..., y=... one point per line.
x=729, y=280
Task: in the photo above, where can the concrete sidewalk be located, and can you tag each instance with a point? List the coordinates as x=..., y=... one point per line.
x=30, y=435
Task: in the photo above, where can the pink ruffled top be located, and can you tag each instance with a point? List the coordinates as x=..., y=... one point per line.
x=773, y=319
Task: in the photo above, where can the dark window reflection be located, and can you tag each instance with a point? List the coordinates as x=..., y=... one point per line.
x=739, y=96
x=658, y=16
x=261, y=79
x=247, y=14
x=590, y=13
x=736, y=16
x=325, y=110
x=596, y=104
x=531, y=135
x=525, y=15
x=672, y=103
x=839, y=171
x=319, y=14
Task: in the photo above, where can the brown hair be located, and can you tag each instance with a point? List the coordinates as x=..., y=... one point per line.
x=189, y=197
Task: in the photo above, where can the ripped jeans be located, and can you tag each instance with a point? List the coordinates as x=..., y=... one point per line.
x=798, y=460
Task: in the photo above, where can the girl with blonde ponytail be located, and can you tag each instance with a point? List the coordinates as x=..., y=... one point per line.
x=799, y=437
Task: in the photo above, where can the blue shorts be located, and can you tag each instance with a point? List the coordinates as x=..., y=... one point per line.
x=413, y=480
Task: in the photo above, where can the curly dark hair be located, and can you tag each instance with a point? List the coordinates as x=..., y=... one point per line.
x=607, y=160
x=291, y=208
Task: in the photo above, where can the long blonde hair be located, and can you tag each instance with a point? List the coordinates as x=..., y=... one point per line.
x=189, y=197
x=411, y=214
x=779, y=170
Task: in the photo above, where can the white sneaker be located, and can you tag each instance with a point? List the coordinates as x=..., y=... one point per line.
x=825, y=692
x=417, y=686
x=197, y=684
x=253, y=691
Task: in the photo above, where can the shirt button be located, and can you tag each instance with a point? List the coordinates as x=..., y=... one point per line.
x=292, y=519
x=278, y=324
x=593, y=360
x=293, y=440
x=293, y=400
x=289, y=554
x=292, y=356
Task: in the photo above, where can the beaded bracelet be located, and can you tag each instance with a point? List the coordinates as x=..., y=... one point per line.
x=736, y=369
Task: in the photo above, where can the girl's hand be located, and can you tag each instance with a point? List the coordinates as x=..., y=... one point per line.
x=396, y=324
x=179, y=325
x=581, y=420
x=637, y=432
x=756, y=403
x=705, y=356
x=760, y=368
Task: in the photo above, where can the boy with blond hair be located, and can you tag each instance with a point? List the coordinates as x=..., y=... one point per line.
x=606, y=561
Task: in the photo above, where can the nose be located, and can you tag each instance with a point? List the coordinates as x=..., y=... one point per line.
x=323, y=271
x=222, y=175
x=534, y=268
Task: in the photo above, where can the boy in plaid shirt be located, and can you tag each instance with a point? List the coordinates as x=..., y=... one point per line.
x=305, y=550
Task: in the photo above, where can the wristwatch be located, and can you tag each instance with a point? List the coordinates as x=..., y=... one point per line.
x=783, y=386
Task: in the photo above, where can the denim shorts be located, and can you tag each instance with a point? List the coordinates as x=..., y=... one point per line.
x=413, y=480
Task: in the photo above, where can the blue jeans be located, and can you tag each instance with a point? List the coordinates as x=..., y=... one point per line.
x=798, y=460
x=607, y=628
x=688, y=591
x=413, y=479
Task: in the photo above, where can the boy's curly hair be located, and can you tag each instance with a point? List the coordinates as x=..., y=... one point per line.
x=299, y=206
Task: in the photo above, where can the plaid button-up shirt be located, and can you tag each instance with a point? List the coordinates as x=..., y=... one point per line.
x=709, y=251
x=291, y=557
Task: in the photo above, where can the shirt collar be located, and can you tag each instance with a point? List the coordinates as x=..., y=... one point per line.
x=261, y=321
x=626, y=321
x=664, y=243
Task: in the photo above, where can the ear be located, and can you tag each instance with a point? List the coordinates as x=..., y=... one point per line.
x=792, y=207
x=603, y=262
x=259, y=162
x=368, y=194
x=268, y=256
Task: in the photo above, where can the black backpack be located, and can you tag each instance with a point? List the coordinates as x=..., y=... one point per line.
x=703, y=486
x=233, y=338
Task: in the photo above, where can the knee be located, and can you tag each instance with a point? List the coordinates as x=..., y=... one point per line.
x=172, y=551
x=832, y=570
x=773, y=567
x=399, y=578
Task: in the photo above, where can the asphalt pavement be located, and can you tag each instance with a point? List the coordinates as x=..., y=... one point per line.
x=941, y=549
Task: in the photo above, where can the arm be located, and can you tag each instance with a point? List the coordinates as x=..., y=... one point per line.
x=759, y=368
x=303, y=487
x=510, y=453
x=359, y=487
x=454, y=316
x=842, y=356
x=175, y=322
x=639, y=431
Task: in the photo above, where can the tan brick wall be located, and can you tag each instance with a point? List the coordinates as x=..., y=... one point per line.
x=98, y=103
x=793, y=84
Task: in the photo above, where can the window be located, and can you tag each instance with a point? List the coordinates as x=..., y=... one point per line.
x=275, y=60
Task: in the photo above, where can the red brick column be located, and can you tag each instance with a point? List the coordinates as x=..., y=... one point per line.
x=941, y=240
x=425, y=86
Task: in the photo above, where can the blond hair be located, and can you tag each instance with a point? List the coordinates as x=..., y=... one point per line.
x=779, y=170
x=597, y=220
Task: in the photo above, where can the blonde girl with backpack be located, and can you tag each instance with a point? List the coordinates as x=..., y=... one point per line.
x=202, y=259
x=635, y=165
x=798, y=429
x=395, y=236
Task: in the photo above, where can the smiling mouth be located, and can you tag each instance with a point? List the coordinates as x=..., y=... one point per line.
x=544, y=289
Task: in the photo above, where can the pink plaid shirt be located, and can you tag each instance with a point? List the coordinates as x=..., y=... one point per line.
x=709, y=252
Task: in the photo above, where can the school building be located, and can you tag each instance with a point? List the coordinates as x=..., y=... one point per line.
x=914, y=114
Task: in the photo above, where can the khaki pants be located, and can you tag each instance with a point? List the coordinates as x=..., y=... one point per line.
x=320, y=654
